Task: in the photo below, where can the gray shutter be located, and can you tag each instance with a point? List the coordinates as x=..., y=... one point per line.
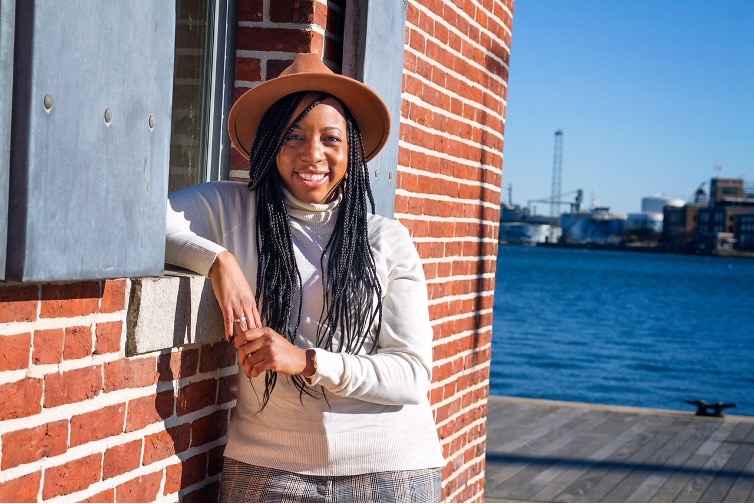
x=7, y=23
x=90, y=138
x=374, y=54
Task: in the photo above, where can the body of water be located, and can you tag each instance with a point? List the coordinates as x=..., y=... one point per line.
x=623, y=328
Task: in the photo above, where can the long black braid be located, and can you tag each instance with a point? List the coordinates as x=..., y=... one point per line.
x=352, y=292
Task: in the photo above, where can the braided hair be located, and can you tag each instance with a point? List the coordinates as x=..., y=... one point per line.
x=351, y=289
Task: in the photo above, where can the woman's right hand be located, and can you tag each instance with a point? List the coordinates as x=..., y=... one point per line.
x=233, y=294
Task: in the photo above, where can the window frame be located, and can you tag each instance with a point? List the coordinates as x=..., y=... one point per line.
x=214, y=145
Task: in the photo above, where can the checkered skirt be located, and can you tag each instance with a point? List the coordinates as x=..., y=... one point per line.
x=243, y=482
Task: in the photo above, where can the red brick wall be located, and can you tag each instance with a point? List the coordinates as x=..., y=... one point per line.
x=448, y=195
x=79, y=419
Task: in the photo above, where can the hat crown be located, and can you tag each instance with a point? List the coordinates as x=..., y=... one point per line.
x=306, y=63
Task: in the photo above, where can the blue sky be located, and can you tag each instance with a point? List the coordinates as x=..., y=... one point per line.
x=651, y=95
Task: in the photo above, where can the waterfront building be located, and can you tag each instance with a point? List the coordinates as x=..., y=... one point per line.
x=598, y=226
x=644, y=222
x=726, y=191
x=520, y=227
x=745, y=232
x=715, y=221
x=719, y=222
x=679, y=226
x=528, y=233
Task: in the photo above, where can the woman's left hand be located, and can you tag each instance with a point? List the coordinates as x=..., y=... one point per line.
x=262, y=349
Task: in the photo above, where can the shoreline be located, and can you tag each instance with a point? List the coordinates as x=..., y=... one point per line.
x=642, y=249
x=620, y=408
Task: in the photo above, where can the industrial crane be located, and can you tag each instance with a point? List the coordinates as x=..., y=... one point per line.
x=560, y=200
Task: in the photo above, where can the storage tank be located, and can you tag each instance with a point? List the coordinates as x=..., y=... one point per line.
x=655, y=204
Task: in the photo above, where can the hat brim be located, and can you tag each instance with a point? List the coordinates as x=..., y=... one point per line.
x=367, y=108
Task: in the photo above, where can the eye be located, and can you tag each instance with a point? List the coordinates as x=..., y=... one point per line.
x=293, y=136
x=332, y=139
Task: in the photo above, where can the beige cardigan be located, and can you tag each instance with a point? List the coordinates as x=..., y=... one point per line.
x=379, y=417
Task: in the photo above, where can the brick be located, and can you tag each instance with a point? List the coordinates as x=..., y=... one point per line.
x=29, y=445
x=248, y=69
x=130, y=373
x=209, y=493
x=20, y=399
x=147, y=410
x=250, y=10
x=215, y=460
x=14, y=351
x=18, y=304
x=141, y=489
x=298, y=11
x=217, y=356
x=185, y=473
x=274, y=67
x=196, y=396
x=273, y=39
x=97, y=424
x=108, y=337
x=70, y=300
x=163, y=444
x=209, y=428
x=78, y=342
x=103, y=496
x=72, y=386
x=48, y=346
x=121, y=459
x=228, y=389
x=72, y=476
x=176, y=365
x=113, y=296
x=23, y=489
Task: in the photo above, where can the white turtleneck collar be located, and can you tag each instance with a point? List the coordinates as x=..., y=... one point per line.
x=322, y=215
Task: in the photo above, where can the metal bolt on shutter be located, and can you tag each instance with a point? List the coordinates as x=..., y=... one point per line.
x=90, y=138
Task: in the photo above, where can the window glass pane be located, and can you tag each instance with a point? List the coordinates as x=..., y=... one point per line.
x=191, y=92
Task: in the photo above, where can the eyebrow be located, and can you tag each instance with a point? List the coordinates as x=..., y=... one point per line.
x=297, y=126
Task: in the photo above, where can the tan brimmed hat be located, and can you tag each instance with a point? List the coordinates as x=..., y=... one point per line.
x=307, y=72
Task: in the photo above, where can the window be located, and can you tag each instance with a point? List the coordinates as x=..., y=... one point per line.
x=201, y=91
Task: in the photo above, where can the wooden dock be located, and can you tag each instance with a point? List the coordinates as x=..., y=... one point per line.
x=572, y=452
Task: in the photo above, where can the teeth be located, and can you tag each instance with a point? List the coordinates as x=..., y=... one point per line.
x=313, y=177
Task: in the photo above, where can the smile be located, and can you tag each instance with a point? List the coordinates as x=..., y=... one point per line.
x=312, y=178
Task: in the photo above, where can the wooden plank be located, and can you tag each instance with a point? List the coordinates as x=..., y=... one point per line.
x=553, y=444
x=743, y=488
x=600, y=479
x=699, y=484
x=512, y=437
x=559, y=477
x=701, y=431
x=499, y=408
x=532, y=479
x=680, y=432
x=512, y=415
x=678, y=480
x=733, y=470
x=554, y=451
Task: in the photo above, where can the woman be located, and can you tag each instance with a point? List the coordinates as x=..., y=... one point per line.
x=339, y=354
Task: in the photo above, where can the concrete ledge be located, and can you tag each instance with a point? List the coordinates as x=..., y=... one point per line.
x=169, y=311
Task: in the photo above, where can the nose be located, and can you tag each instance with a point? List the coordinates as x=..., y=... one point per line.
x=311, y=150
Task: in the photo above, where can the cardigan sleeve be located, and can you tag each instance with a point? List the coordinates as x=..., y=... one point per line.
x=193, y=231
x=400, y=372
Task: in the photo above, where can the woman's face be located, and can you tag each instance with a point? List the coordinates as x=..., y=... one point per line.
x=314, y=156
